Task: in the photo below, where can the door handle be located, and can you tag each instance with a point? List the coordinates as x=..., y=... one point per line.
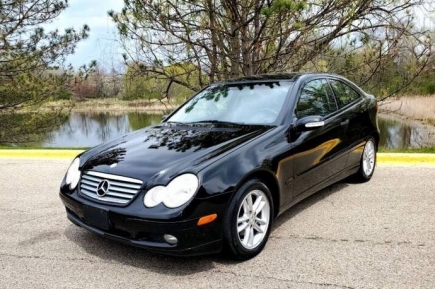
x=345, y=123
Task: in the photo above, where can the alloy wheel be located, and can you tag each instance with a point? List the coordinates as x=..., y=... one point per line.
x=368, y=161
x=253, y=219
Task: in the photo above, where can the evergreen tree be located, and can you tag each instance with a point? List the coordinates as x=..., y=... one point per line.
x=30, y=64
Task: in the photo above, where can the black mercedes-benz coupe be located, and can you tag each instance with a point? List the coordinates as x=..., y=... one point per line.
x=219, y=169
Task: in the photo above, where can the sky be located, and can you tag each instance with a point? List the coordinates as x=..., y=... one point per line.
x=101, y=44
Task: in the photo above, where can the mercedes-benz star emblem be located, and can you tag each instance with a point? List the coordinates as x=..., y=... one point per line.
x=103, y=188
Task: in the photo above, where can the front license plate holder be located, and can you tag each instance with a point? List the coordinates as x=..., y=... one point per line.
x=96, y=217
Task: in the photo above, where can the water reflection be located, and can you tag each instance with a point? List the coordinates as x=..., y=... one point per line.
x=24, y=129
x=88, y=130
x=400, y=133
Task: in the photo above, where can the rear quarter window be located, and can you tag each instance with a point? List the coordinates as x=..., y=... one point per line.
x=344, y=93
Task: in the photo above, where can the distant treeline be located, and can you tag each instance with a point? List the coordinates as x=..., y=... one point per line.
x=132, y=85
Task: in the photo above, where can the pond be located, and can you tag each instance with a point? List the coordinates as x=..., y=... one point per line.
x=397, y=132
x=87, y=130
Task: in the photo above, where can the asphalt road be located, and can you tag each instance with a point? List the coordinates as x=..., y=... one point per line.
x=375, y=235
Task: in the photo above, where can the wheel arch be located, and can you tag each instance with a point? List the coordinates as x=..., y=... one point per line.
x=270, y=181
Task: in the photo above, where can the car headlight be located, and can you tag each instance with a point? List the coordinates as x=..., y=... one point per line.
x=73, y=174
x=175, y=194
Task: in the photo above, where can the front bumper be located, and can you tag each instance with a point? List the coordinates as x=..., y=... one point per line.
x=144, y=233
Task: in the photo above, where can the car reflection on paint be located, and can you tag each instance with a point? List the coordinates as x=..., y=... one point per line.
x=218, y=170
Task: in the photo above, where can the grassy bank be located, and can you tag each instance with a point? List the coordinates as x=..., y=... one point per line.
x=111, y=105
x=2, y=147
x=421, y=108
x=430, y=150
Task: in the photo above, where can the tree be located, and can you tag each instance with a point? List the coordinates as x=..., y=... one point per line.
x=224, y=39
x=138, y=86
x=30, y=60
x=96, y=82
x=142, y=84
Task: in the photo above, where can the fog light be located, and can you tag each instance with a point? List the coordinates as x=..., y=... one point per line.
x=170, y=239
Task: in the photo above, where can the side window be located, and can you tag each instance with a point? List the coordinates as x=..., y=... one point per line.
x=315, y=99
x=344, y=93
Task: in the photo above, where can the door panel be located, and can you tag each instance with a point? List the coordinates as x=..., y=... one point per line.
x=321, y=153
x=318, y=155
x=353, y=106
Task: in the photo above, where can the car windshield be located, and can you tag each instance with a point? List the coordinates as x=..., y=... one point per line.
x=241, y=103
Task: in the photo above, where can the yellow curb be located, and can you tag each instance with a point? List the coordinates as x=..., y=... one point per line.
x=404, y=158
x=39, y=154
x=382, y=158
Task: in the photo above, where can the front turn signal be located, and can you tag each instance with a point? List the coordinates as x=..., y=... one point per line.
x=206, y=219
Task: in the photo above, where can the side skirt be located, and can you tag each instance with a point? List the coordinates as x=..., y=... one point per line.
x=332, y=180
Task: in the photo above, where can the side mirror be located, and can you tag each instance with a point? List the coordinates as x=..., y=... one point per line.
x=309, y=123
x=164, y=117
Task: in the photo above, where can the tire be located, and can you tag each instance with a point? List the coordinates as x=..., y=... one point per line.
x=246, y=232
x=367, y=163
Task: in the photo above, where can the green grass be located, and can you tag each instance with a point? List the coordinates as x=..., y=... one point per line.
x=427, y=150
x=37, y=148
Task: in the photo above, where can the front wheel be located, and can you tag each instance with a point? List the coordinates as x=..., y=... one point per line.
x=249, y=220
x=368, y=162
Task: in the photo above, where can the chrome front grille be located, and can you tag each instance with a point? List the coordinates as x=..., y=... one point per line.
x=118, y=189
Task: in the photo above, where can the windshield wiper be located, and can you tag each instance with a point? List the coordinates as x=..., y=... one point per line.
x=176, y=122
x=218, y=122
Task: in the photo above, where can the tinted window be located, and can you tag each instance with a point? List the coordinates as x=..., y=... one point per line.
x=345, y=94
x=315, y=99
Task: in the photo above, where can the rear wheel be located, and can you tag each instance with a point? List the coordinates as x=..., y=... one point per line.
x=368, y=162
x=248, y=221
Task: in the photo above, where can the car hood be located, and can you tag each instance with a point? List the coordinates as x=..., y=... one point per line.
x=158, y=153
